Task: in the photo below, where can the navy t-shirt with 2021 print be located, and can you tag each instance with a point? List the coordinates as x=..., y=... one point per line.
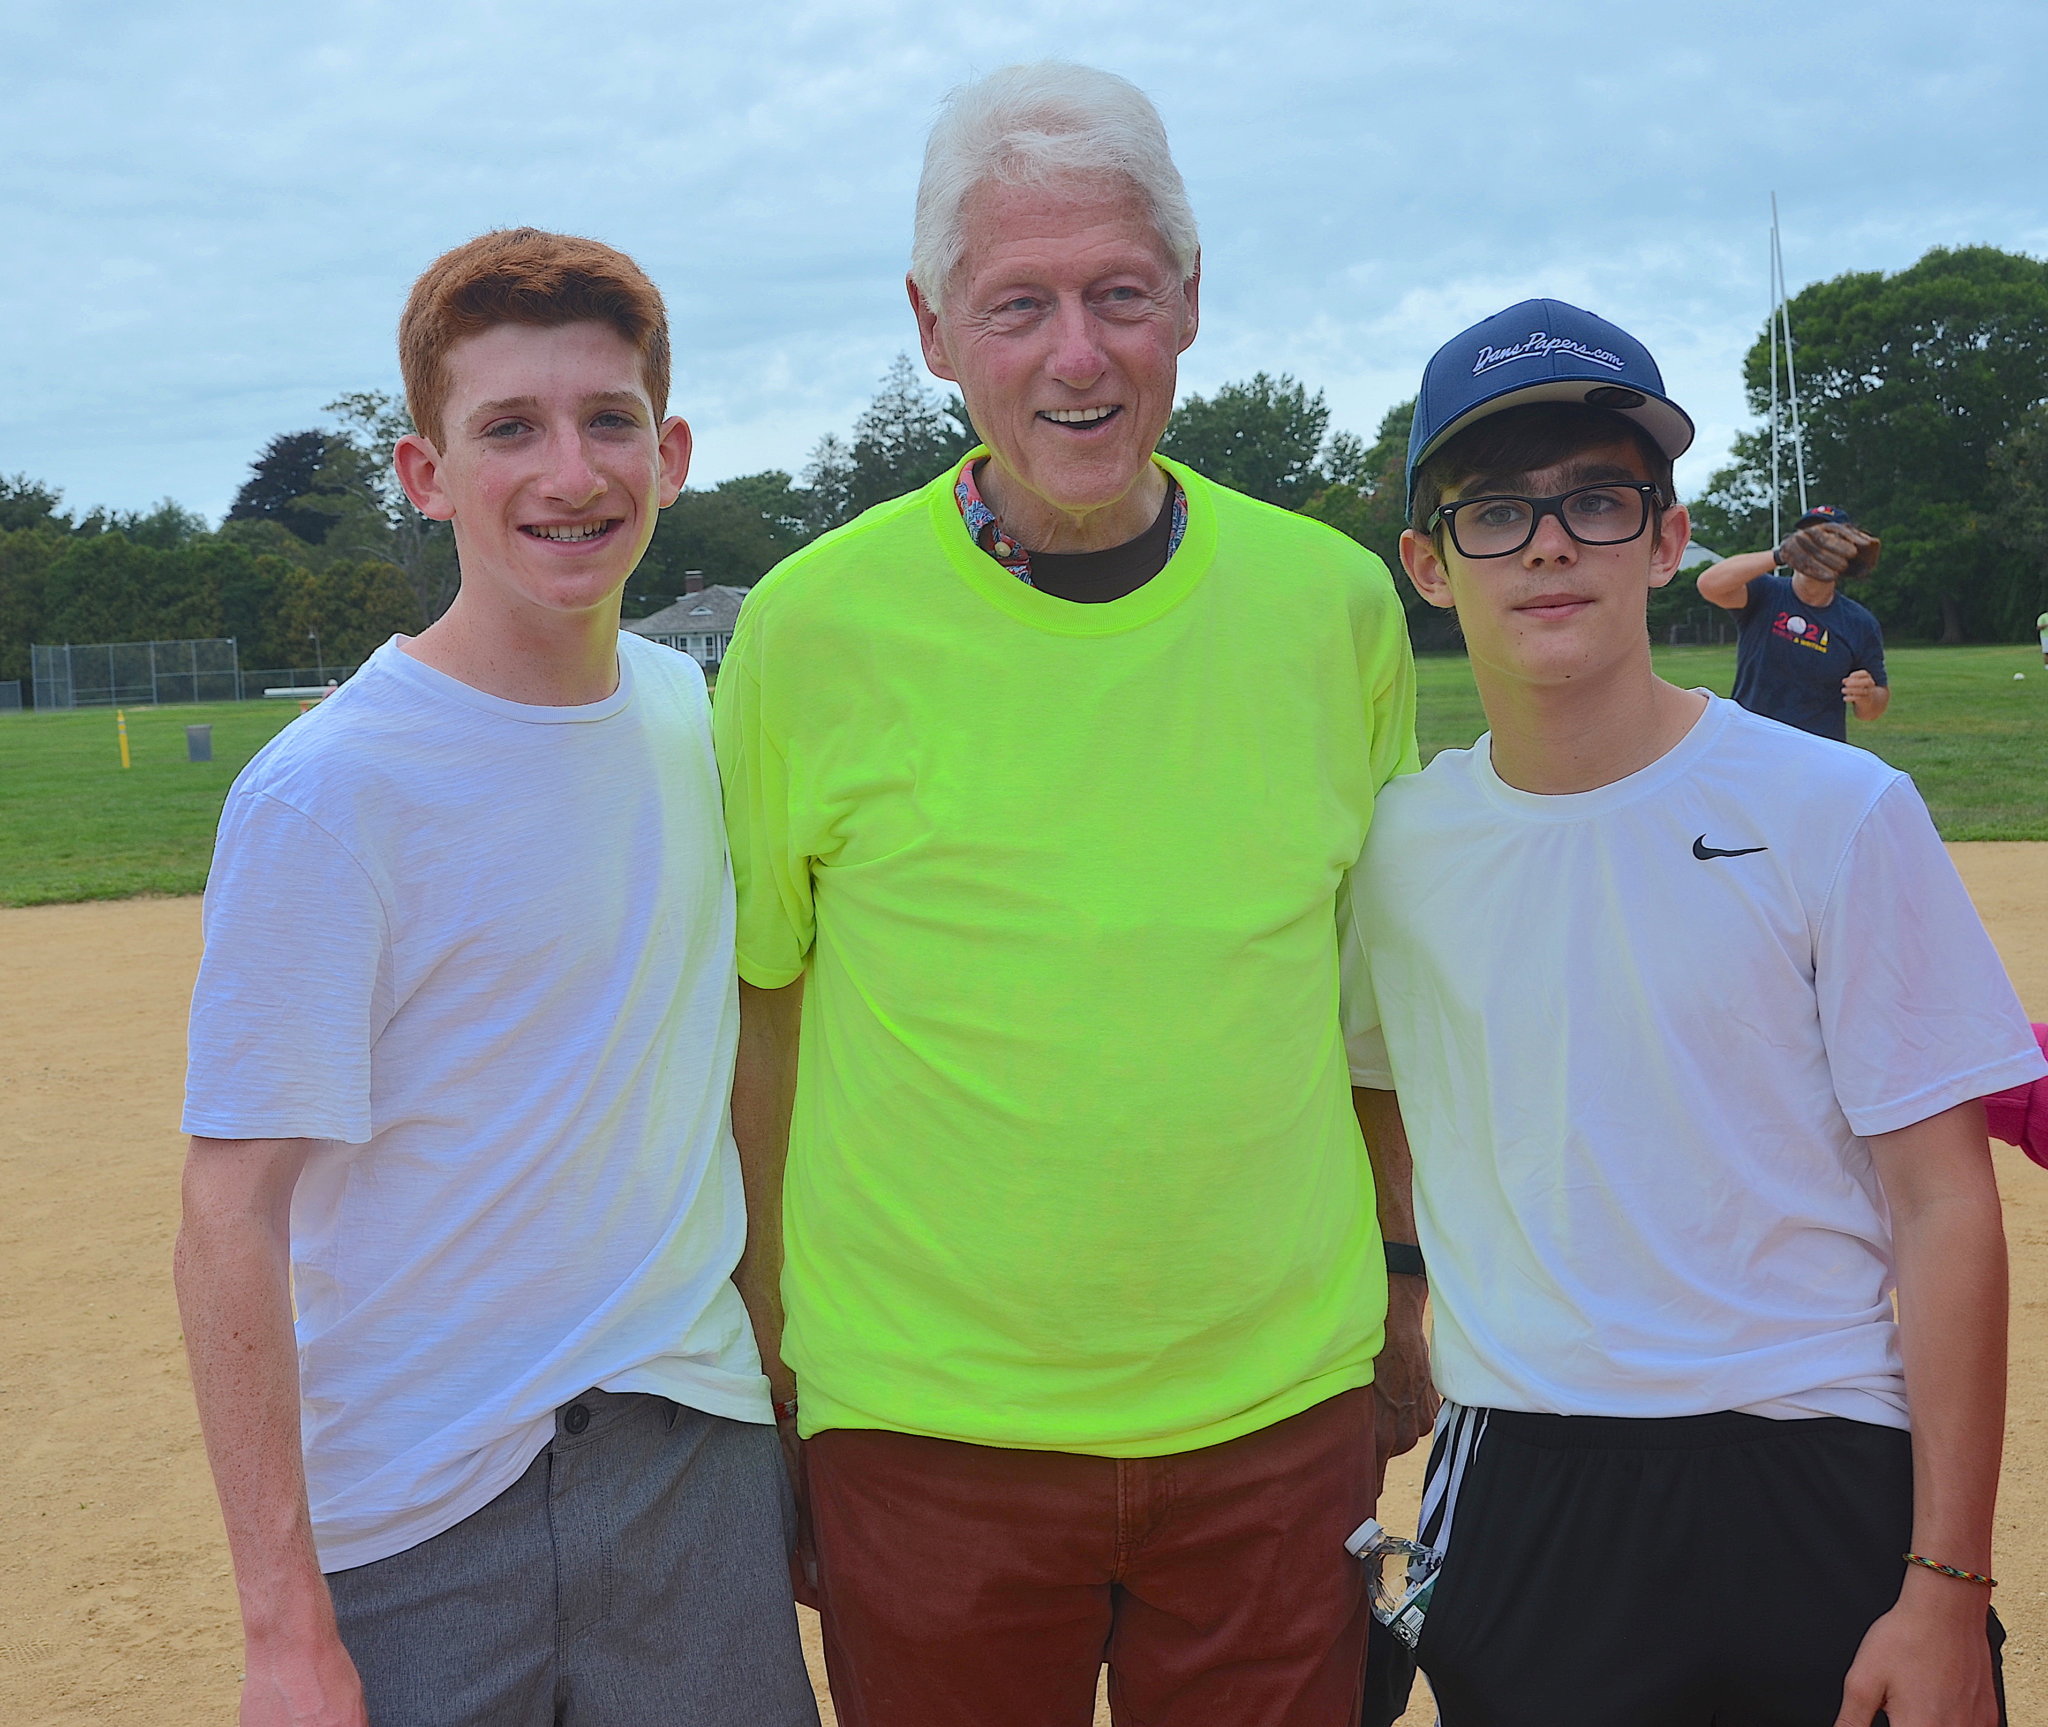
x=1791, y=658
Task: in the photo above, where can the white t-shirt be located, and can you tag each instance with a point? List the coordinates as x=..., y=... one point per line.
x=484, y=952
x=1637, y=1033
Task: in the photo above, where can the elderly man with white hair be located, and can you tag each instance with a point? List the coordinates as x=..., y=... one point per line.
x=1042, y=783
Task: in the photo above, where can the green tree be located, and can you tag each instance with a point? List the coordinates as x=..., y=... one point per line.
x=905, y=437
x=101, y=584
x=107, y=588
x=27, y=503
x=25, y=557
x=285, y=485
x=1263, y=436
x=158, y=574
x=734, y=533
x=165, y=525
x=1910, y=384
x=2020, y=529
x=828, y=485
x=908, y=435
x=332, y=497
x=336, y=615
x=1348, y=460
x=775, y=497
x=1372, y=508
x=1733, y=513
x=249, y=583
x=1367, y=499
x=33, y=527
x=383, y=524
x=349, y=499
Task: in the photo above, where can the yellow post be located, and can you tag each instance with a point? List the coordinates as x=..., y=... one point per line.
x=121, y=731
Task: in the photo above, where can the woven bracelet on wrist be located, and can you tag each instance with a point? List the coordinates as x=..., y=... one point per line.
x=785, y=1410
x=1951, y=1571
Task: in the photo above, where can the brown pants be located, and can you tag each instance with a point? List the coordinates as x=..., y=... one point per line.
x=968, y=1586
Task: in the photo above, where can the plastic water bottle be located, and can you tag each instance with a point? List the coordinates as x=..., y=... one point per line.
x=1400, y=1591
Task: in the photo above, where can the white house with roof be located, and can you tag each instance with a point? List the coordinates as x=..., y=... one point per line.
x=699, y=623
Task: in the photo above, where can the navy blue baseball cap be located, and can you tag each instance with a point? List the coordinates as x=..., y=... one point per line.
x=1541, y=351
x=1824, y=513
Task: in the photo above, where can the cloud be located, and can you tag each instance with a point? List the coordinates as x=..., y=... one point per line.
x=216, y=210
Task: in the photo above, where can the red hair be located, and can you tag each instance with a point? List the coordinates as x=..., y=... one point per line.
x=525, y=276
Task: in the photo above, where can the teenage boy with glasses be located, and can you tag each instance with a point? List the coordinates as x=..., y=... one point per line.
x=1687, y=1013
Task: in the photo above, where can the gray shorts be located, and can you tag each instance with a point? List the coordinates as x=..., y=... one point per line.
x=635, y=1574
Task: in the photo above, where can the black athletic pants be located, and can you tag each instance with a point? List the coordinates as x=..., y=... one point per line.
x=1707, y=1571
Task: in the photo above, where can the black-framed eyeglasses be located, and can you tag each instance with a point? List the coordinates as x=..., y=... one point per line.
x=1499, y=526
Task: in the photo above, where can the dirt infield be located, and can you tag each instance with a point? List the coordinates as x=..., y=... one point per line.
x=115, y=1601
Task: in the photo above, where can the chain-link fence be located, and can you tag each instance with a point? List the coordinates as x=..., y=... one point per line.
x=10, y=695
x=112, y=674
x=1701, y=627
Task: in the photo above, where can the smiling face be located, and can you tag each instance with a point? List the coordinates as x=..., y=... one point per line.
x=552, y=465
x=1063, y=327
x=1557, y=611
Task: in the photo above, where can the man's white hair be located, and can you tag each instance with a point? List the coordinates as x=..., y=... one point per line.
x=1032, y=125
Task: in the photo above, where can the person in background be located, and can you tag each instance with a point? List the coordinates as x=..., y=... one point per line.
x=1806, y=654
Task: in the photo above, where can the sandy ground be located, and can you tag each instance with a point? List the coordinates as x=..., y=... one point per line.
x=115, y=1600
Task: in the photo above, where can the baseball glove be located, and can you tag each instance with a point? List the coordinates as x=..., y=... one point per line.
x=1829, y=552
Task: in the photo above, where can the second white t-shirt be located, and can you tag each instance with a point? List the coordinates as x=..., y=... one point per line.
x=1637, y=1034
x=483, y=952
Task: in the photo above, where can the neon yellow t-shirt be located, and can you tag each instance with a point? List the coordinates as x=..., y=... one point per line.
x=1073, y=1164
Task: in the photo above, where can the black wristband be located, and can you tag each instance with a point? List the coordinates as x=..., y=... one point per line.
x=1404, y=1259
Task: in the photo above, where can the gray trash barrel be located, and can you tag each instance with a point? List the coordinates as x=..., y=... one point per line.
x=199, y=743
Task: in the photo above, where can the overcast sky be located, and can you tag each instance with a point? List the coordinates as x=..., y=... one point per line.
x=213, y=212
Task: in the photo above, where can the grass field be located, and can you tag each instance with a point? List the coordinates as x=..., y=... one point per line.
x=74, y=826
x=1974, y=739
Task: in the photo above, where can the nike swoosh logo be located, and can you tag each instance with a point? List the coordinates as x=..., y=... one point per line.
x=1703, y=851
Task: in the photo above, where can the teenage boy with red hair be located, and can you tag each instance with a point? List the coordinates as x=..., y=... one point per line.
x=461, y=1046
x=1688, y=1014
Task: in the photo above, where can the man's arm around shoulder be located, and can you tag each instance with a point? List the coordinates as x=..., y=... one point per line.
x=233, y=1277
x=1726, y=584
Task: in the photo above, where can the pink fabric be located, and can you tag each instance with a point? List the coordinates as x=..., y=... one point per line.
x=2020, y=1116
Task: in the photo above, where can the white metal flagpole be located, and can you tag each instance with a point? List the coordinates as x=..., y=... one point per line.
x=1777, y=532
x=1791, y=370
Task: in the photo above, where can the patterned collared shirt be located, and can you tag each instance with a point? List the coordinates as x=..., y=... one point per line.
x=987, y=532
